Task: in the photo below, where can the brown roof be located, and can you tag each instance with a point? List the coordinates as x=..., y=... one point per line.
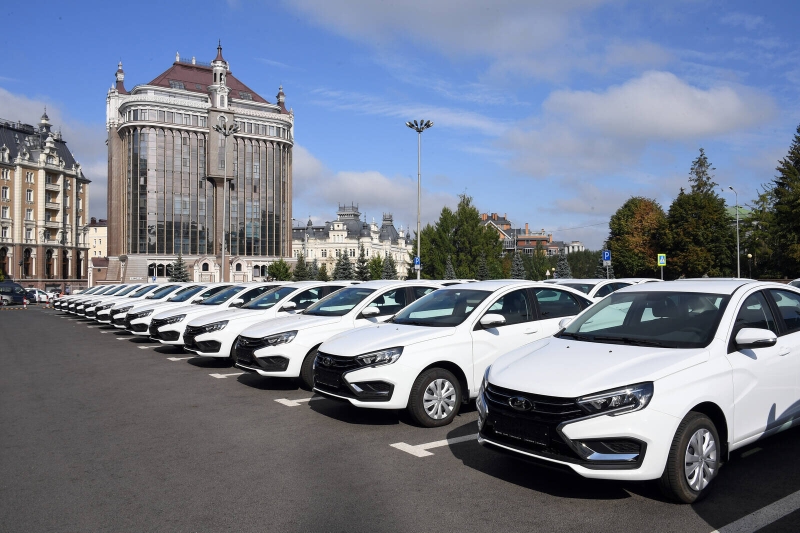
x=99, y=262
x=196, y=78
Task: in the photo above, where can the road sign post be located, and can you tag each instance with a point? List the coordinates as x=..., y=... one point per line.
x=417, y=265
x=662, y=262
x=607, y=261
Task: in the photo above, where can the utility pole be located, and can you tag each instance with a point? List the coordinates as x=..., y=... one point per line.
x=226, y=131
x=419, y=127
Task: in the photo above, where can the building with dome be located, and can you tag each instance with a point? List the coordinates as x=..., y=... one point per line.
x=178, y=185
x=44, y=207
x=326, y=242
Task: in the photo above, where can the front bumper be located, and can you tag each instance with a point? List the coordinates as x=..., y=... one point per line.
x=167, y=333
x=138, y=326
x=373, y=387
x=197, y=341
x=283, y=360
x=118, y=320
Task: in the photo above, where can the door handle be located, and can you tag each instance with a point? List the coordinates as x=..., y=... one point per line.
x=783, y=350
x=530, y=331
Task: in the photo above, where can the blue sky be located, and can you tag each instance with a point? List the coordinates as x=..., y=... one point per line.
x=552, y=112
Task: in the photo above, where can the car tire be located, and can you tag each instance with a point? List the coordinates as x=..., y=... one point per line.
x=232, y=355
x=435, y=398
x=307, y=370
x=688, y=476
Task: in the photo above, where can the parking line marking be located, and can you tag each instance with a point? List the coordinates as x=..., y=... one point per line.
x=764, y=516
x=421, y=450
x=750, y=452
x=296, y=403
x=222, y=376
x=121, y=338
x=180, y=358
x=148, y=347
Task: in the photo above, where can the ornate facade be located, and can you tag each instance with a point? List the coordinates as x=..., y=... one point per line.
x=177, y=185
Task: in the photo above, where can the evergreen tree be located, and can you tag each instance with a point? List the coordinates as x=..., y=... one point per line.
x=343, y=269
x=179, y=271
x=449, y=272
x=517, y=267
x=376, y=267
x=323, y=273
x=279, y=270
x=536, y=264
x=301, y=272
x=389, y=268
x=482, y=272
x=601, y=272
x=562, y=267
x=313, y=272
x=636, y=234
x=362, y=265
x=786, y=194
x=583, y=263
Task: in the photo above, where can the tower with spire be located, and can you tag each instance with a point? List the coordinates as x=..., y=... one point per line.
x=219, y=90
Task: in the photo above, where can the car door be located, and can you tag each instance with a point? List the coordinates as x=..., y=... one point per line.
x=554, y=304
x=786, y=304
x=520, y=328
x=763, y=381
x=388, y=302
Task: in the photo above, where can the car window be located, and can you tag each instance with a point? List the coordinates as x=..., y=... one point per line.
x=186, y=293
x=620, y=285
x=340, y=302
x=515, y=307
x=605, y=290
x=142, y=291
x=554, y=303
x=442, y=308
x=270, y=298
x=162, y=291
x=419, y=292
x=583, y=287
x=754, y=313
x=795, y=283
x=254, y=293
x=788, y=307
x=223, y=296
x=390, y=302
x=307, y=298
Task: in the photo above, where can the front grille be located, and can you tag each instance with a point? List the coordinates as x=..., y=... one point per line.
x=245, y=350
x=138, y=328
x=119, y=320
x=128, y=324
x=162, y=335
x=189, y=334
x=534, y=429
x=328, y=372
x=154, y=325
x=91, y=313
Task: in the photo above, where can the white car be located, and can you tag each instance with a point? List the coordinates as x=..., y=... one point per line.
x=69, y=303
x=137, y=320
x=213, y=335
x=432, y=355
x=39, y=296
x=597, y=289
x=795, y=283
x=656, y=381
x=286, y=347
x=117, y=312
x=58, y=302
x=167, y=327
x=102, y=312
x=87, y=307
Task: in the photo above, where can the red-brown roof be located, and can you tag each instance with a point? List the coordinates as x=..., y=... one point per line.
x=197, y=78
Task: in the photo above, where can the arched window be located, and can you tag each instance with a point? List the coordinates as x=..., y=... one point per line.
x=160, y=270
x=256, y=271
x=48, y=265
x=26, y=263
x=238, y=267
x=151, y=270
x=205, y=267
x=3, y=261
x=263, y=271
x=169, y=270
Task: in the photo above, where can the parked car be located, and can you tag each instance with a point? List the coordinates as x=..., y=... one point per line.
x=115, y=314
x=137, y=320
x=597, y=289
x=432, y=355
x=90, y=307
x=655, y=382
x=286, y=347
x=795, y=283
x=213, y=335
x=36, y=295
x=63, y=303
x=77, y=306
x=11, y=293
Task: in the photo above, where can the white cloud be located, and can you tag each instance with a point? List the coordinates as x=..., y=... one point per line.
x=748, y=22
x=86, y=141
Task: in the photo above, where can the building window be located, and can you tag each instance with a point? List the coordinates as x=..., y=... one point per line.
x=205, y=267
x=5, y=232
x=352, y=252
x=29, y=195
x=80, y=187
x=324, y=253
x=29, y=177
x=203, y=122
x=5, y=174
x=238, y=267
x=80, y=203
x=4, y=193
x=175, y=84
x=28, y=234
x=4, y=212
x=29, y=214
x=47, y=234
x=245, y=96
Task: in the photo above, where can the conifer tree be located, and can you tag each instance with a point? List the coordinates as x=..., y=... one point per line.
x=482, y=272
x=301, y=272
x=375, y=266
x=322, y=275
x=179, y=271
x=389, y=268
x=449, y=271
x=517, y=267
x=279, y=270
x=600, y=270
x=343, y=269
x=786, y=193
x=362, y=265
x=563, y=271
x=313, y=271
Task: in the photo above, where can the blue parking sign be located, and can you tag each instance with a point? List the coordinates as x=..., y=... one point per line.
x=606, y=255
x=416, y=261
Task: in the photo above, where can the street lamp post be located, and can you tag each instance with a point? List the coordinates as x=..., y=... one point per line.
x=419, y=127
x=750, y=266
x=738, y=259
x=226, y=131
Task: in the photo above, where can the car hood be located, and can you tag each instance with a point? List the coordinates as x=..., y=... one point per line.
x=233, y=314
x=288, y=323
x=371, y=338
x=189, y=311
x=570, y=368
x=159, y=306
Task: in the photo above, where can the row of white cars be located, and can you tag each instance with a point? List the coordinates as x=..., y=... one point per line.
x=653, y=381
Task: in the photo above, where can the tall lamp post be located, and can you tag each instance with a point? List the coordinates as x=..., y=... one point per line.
x=226, y=131
x=419, y=127
x=738, y=258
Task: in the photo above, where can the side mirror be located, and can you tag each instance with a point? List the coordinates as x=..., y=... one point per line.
x=288, y=306
x=564, y=322
x=492, y=320
x=755, y=338
x=238, y=302
x=370, y=311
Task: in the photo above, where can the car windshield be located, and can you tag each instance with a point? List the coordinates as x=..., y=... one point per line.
x=340, y=302
x=163, y=291
x=224, y=296
x=583, y=287
x=142, y=291
x=443, y=308
x=123, y=290
x=662, y=319
x=186, y=293
x=269, y=299
x=795, y=283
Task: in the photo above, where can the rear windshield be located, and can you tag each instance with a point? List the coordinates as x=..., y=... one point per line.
x=186, y=293
x=442, y=308
x=340, y=302
x=269, y=299
x=224, y=296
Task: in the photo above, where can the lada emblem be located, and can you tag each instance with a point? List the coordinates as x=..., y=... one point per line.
x=327, y=361
x=520, y=404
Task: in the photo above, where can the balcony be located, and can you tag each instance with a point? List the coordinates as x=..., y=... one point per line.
x=5, y=239
x=30, y=241
x=52, y=187
x=52, y=205
x=52, y=224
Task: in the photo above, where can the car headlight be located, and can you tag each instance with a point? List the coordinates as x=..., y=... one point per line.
x=485, y=381
x=381, y=357
x=141, y=314
x=618, y=401
x=280, y=338
x=174, y=319
x=216, y=326
x=123, y=309
x=104, y=306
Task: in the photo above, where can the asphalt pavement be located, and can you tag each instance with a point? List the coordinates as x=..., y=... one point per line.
x=100, y=431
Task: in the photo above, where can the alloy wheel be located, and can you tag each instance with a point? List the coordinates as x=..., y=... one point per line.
x=439, y=399
x=700, y=459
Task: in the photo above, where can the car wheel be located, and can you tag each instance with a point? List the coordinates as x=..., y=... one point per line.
x=307, y=370
x=694, y=460
x=435, y=398
x=232, y=355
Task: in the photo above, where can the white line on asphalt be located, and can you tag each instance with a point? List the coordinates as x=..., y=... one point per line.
x=100, y=326
x=180, y=358
x=296, y=403
x=421, y=450
x=750, y=452
x=108, y=331
x=122, y=338
x=146, y=347
x=764, y=516
x=222, y=376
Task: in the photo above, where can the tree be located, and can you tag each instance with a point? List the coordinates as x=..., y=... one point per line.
x=323, y=273
x=562, y=267
x=279, y=270
x=699, y=238
x=179, y=271
x=517, y=267
x=362, y=265
x=582, y=263
x=449, y=272
x=536, y=264
x=389, y=268
x=635, y=238
x=482, y=272
x=786, y=208
x=301, y=272
x=375, y=266
x=344, y=268
x=601, y=272
x=313, y=272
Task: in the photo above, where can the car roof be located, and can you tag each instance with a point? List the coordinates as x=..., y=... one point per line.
x=496, y=284
x=381, y=283
x=707, y=285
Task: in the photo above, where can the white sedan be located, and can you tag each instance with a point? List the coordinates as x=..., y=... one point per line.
x=137, y=320
x=657, y=381
x=214, y=334
x=432, y=355
x=286, y=347
x=597, y=289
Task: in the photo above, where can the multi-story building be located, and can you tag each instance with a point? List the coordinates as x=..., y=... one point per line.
x=97, y=237
x=178, y=185
x=524, y=240
x=44, y=202
x=345, y=235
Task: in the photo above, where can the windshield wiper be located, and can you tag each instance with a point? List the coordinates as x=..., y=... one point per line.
x=412, y=323
x=577, y=336
x=632, y=341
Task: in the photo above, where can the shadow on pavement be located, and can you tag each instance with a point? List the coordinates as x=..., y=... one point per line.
x=209, y=362
x=267, y=383
x=347, y=413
